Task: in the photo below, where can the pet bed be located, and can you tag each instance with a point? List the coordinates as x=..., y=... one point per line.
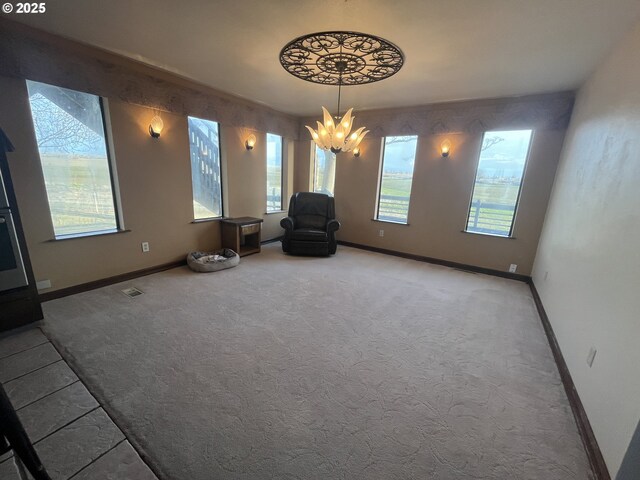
x=212, y=261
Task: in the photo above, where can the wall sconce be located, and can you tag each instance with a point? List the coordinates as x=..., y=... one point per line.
x=156, y=126
x=445, y=148
x=356, y=152
x=250, y=142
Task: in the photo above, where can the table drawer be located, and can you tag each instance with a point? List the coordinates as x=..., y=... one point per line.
x=249, y=229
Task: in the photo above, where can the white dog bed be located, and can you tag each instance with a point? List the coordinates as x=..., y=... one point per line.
x=212, y=261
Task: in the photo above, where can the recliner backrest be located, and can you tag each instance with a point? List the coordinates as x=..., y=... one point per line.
x=311, y=210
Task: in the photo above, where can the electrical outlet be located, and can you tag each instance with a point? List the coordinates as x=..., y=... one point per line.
x=591, y=356
x=43, y=284
x=145, y=247
x=512, y=268
x=381, y=233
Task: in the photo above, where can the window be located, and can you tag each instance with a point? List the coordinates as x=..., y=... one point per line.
x=396, y=176
x=204, y=145
x=324, y=171
x=274, y=173
x=71, y=139
x=498, y=181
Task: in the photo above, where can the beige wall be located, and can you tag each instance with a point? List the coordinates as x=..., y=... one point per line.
x=441, y=189
x=26, y=52
x=154, y=178
x=440, y=196
x=303, y=165
x=587, y=265
x=154, y=175
x=247, y=178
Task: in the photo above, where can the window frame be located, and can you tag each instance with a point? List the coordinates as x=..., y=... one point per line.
x=111, y=166
x=111, y=162
x=281, y=172
x=220, y=175
x=314, y=151
x=383, y=148
x=516, y=206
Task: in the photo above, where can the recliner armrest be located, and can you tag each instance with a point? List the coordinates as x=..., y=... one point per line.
x=333, y=225
x=287, y=223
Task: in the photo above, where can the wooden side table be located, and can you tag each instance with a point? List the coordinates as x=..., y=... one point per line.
x=242, y=234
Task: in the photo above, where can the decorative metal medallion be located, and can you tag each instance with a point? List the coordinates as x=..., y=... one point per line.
x=341, y=58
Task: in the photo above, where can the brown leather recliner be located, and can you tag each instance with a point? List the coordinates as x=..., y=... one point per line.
x=311, y=225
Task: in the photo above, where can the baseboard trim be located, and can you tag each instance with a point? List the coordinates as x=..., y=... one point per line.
x=596, y=460
x=438, y=261
x=594, y=455
x=103, y=282
x=85, y=287
x=271, y=240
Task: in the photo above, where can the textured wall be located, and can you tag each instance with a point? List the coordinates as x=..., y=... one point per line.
x=247, y=178
x=154, y=176
x=442, y=188
x=36, y=55
x=541, y=112
x=587, y=265
x=155, y=188
x=631, y=463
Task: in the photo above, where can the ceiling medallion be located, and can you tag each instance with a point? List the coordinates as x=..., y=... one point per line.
x=340, y=58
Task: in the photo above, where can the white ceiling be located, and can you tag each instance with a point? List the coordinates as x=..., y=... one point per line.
x=455, y=49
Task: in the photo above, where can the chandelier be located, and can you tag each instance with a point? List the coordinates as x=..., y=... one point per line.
x=340, y=58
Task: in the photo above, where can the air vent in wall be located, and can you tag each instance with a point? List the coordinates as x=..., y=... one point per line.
x=132, y=292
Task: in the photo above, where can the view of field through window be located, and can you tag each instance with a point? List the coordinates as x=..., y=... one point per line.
x=274, y=172
x=204, y=147
x=71, y=141
x=396, y=177
x=497, y=186
x=324, y=171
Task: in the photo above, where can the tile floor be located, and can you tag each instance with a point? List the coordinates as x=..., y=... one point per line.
x=72, y=434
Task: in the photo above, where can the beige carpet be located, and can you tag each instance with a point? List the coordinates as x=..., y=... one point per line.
x=358, y=366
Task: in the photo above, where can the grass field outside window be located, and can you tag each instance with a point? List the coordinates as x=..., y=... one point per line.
x=71, y=138
x=396, y=177
x=496, y=190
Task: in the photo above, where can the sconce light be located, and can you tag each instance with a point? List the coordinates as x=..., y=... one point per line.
x=445, y=148
x=356, y=152
x=156, y=126
x=250, y=142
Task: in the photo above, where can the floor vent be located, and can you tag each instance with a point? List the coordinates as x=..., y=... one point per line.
x=132, y=292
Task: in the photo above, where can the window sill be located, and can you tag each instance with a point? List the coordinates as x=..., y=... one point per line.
x=205, y=220
x=275, y=212
x=390, y=221
x=75, y=236
x=493, y=235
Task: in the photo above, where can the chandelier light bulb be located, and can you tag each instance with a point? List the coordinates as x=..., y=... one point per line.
x=338, y=138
